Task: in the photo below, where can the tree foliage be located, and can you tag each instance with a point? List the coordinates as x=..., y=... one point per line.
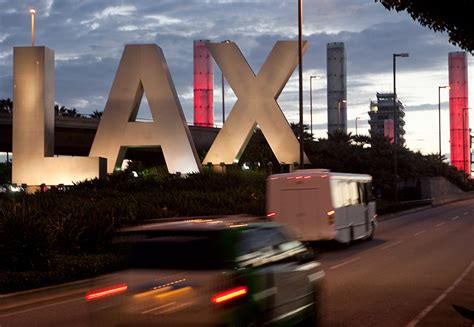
x=66, y=112
x=453, y=17
x=375, y=156
x=6, y=105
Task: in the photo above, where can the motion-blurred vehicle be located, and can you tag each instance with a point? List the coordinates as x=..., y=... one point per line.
x=210, y=273
x=322, y=205
x=10, y=188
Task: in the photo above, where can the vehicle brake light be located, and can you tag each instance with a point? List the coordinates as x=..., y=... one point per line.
x=229, y=295
x=331, y=214
x=271, y=214
x=108, y=291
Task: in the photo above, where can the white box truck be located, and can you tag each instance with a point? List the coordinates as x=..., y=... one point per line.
x=322, y=205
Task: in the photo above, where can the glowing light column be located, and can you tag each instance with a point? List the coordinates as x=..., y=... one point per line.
x=458, y=114
x=203, y=85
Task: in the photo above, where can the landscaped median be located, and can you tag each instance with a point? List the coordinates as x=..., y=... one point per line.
x=56, y=237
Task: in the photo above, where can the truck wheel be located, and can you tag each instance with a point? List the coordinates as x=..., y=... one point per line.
x=372, y=231
x=351, y=235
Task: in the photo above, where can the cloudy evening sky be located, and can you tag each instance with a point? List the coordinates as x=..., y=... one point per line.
x=88, y=38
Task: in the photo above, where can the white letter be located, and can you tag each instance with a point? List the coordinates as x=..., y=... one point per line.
x=143, y=68
x=256, y=103
x=33, y=125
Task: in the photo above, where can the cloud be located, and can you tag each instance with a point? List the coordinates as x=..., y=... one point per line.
x=116, y=11
x=428, y=107
x=89, y=36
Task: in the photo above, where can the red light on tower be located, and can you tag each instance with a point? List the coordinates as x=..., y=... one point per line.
x=203, y=85
x=458, y=111
x=389, y=130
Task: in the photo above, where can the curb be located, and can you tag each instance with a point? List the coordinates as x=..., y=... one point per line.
x=403, y=213
x=389, y=216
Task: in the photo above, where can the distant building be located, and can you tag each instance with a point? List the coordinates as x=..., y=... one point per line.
x=337, y=87
x=381, y=117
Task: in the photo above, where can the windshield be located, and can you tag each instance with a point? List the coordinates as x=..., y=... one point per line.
x=195, y=250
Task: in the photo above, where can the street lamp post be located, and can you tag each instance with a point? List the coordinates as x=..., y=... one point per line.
x=33, y=13
x=223, y=91
x=464, y=143
x=356, y=123
x=339, y=113
x=223, y=98
x=311, y=101
x=300, y=78
x=439, y=116
x=395, y=122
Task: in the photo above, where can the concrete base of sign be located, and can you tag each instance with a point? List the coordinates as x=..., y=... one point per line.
x=55, y=171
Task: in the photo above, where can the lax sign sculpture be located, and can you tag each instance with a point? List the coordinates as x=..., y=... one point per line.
x=143, y=69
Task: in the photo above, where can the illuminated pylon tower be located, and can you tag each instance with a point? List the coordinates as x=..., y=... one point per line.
x=458, y=112
x=203, y=85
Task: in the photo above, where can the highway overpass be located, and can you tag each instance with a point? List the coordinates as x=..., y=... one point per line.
x=74, y=137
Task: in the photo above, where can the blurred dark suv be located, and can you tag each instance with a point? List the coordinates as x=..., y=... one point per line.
x=210, y=273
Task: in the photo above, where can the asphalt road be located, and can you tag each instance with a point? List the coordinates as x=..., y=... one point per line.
x=416, y=267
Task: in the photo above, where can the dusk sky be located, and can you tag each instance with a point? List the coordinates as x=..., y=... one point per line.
x=88, y=38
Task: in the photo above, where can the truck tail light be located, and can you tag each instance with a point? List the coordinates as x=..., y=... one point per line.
x=107, y=291
x=229, y=295
x=271, y=214
x=331, y=215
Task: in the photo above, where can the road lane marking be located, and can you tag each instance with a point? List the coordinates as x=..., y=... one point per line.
x=440, y=298
x=455, y=217
x=419, y=233
x=440, y=224
x=40, y=307
x=344, y=263
x=390, y=245
x=466, y=213
x=159, y=307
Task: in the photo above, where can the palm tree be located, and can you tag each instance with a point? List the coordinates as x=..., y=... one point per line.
x=6, y=105
x=96, y=114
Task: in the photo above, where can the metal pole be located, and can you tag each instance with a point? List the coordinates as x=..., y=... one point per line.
x=300, y=71
x=223, y=90
x=311, y=104
x=463, y=142
x=356, y=124
x=32, y=12
x=439, y=120
x=395, y=122
x=395, y=136
x=338, y=115
x=223, y=99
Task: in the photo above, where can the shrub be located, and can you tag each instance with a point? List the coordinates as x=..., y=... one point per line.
x=83, y=219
